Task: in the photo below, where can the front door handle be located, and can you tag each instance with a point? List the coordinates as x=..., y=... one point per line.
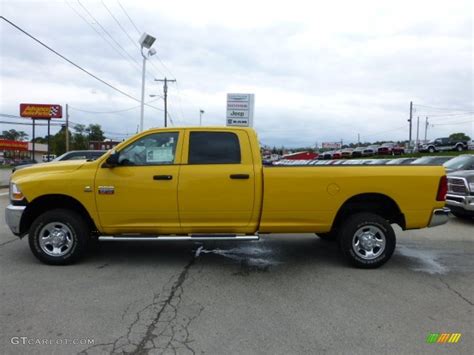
x=162, y=177
x=240, y=176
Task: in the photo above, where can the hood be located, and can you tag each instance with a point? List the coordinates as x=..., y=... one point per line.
x=46, y=168
x=466, y=174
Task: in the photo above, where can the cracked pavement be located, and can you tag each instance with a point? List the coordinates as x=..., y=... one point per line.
x=283, y=294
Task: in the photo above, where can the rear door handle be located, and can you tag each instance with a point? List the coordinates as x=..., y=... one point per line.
x=162, y=177
x=240, y=176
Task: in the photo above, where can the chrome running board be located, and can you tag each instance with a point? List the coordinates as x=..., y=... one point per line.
x=194, y=237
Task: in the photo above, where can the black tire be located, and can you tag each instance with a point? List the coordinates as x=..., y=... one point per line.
x=431, y=150
x=459, y=148
x=357, y=223
x=327, y=237
x=72, y=227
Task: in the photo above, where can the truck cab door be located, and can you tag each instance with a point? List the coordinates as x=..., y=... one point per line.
x=216, y=190
x=139, y=194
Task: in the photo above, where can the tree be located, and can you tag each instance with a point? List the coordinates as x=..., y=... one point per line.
x=14, y=135
x=79, y=139
x=459, y=137
x=95, y=132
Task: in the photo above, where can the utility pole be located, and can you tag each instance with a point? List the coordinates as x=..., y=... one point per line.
x=67, y=128
x=358, y=138
x=417, y=132
x=410, y=120
x=426, y=128
x=165, y=95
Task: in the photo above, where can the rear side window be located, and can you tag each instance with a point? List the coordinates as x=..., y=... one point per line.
x=214, y=148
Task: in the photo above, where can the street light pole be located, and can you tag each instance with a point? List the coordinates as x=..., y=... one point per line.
x=146, y=41
x=200, y=116
x=142, y=103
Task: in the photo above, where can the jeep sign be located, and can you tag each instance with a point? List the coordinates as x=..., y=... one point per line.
x=240, y=110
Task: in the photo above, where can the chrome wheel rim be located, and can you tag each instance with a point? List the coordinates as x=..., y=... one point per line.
x=369, y=242
x=56, y=239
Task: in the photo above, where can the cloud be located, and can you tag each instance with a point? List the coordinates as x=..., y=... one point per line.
x=319, y=72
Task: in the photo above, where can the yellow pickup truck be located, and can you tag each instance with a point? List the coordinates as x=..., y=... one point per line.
x=209, y=183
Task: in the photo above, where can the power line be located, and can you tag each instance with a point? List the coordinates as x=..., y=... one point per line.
x=108, y=34
x=129, y=18
x=441, y=108
x=116, y=111
x=68, y=60
x=102, y=36
x=74, y=64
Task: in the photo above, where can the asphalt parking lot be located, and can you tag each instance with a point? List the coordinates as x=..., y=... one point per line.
x=285, y=294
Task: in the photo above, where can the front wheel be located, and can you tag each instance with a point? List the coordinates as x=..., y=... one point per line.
x=459, y=148
x=367, y=240
x=59, y=237
x=431, y=150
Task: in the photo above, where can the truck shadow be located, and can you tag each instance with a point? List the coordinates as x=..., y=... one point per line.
x=268, y=254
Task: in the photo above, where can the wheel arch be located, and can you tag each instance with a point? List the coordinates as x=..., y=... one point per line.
x=44, y=203
x=377, y=203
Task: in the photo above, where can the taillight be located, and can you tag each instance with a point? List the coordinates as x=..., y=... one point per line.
x=442, y=189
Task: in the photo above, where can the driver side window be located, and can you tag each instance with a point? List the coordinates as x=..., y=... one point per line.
x=154, y=149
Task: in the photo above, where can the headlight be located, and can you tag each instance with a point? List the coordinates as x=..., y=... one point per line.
x=15, y=193
x=471, y=186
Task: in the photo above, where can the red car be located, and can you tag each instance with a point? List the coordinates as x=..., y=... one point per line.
x=386, y=149
x=398, y=150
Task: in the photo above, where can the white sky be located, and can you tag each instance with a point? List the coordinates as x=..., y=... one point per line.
x=320, y=71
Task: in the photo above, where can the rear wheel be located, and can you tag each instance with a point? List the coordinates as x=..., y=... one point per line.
x=367, y=240
x=459, y=148
x=59, y=237
x=431, y=150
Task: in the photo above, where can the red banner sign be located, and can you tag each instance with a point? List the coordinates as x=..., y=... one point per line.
x=13, y=145
x=41, y=111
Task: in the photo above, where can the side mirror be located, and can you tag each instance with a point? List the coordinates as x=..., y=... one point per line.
x=112, y=160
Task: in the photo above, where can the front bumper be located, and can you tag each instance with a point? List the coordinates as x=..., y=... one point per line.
x=13, y=217
x=460, y=201
x=440, y=216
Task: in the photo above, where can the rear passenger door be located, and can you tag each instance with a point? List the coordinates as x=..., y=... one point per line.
x=216, y=187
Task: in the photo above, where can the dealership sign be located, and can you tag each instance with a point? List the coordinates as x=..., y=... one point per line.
x=240, y=110
x=41, y=111
x=6, y=144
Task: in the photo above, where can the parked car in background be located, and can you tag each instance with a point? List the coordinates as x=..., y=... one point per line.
x=370, y=150
x=357, y=152
x=386, y=149
x=398, y=150
x=470, y=145
x=461, y=162
x=460, y=196
x=337, y=154
x=401, y=161
x=347, y=152
x=72, y=155
x=443, y=144
x=439, y=160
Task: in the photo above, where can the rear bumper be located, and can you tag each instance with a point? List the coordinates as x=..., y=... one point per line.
x=13, y=217
x=440, y=216
x=464, y=202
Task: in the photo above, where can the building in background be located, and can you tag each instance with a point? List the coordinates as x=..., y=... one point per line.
x=103, y=145
x=15, y=151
